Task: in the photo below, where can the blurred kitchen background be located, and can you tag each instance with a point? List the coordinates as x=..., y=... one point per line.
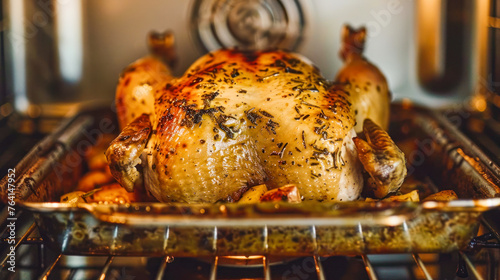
x=58, y=52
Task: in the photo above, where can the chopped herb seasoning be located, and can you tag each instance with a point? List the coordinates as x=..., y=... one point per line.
x=304, y=140
x=283, y=150
x=266, y=114
x=235, y=73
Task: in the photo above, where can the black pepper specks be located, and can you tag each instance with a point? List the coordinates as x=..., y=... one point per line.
x=293, y=71
x=266, y=114
x=235, y=73
x=196, y=81
x=282, y=150
x=304, y=140
x=271, y=126
x=252, y=116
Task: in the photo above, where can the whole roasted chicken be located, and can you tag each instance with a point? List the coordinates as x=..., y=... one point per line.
x=237, y=119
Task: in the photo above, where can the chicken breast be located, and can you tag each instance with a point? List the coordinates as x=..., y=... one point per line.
x=238, y=119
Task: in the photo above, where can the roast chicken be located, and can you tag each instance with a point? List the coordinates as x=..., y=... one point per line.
x=370, y=94
x=237, y=119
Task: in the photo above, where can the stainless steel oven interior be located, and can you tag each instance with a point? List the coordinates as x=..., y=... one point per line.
x=58, y=55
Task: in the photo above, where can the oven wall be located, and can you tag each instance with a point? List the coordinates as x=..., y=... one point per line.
x=74, y=50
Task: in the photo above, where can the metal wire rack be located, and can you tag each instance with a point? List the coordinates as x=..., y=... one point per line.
x=35, y=261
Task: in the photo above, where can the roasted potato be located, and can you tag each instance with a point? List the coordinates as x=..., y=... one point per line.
x=109, y=194
x=74, y=198
x=94, y=179
x=289, y=193
x=446, y=195
x=253, y=195
x=113, y=194
x=411, y=196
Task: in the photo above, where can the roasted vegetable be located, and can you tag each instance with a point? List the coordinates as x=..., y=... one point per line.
x=73, y=198
x=411, y=196
x=93, y=180
x=113, y=194
x=446, y=195
x=253, y=195
x=288, y=193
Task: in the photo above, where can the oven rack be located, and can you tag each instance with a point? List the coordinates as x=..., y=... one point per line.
x=481, y=261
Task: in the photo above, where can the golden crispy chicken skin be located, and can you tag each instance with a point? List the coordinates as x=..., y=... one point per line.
x=237, y=119
x=124, y=153
x=134, y=92
x=368, y=87
x=382, y=159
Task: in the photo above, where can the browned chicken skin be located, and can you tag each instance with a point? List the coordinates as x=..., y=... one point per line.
x=237, y=119
x=134, y=92
x=382, y=159
x=367, y=85
x=124, y=153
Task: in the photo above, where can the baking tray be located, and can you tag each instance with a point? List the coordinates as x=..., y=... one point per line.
x=431, y=144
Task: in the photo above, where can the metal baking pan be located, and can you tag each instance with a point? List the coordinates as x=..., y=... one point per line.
x=435, y=154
